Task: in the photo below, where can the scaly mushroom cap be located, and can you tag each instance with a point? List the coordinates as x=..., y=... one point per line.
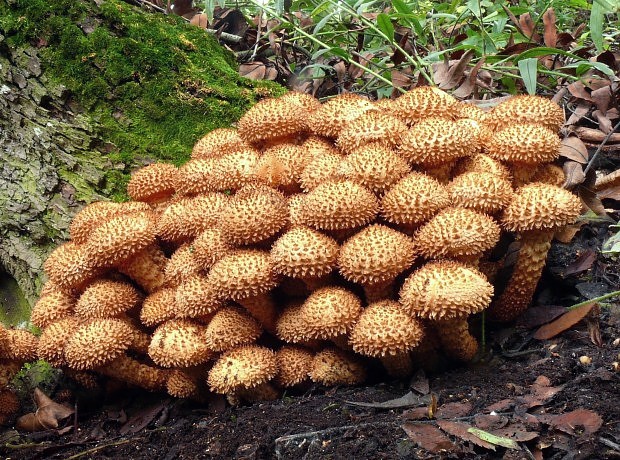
x=209, y=247
x=52, y=307
x=338, y=206
x=242, y=274
x=333, y=116
x=294, y=363
x=281, y=166
x=414, y=199
x=146, y=268
x=158, y=307
x=528, y=109
x=371, y=126
x=181, y=266
x=303, y=100
x=8, y=370
x=181, y=384
x=539, y=206
x=231, y=327
x=324, y=167
x=196, y=297
x=254, y=216
x=179, y=343
x=317, y=146
x=198, y=176
x=375, y=254
x=153, y=182
x=445, y=290
x=120, y=238
x=106, y=299
x=22, y=345
x=295, y=205
x=243, y=367
x=97, y=342
x=524, y=143
x=456, y=232
x=94, y=214
x=53, y=339
x=272, y=119
x=290, y=325
x=484, y=192
x=9, y=402
x=70, y=267
x=385, y=328
x=333, y=366
x=237, y=169
x=436, y=141
x=187, y=218
x=464, y=110
x=217, y=143
x=423, y=102
x=481, y=163
x=375, y=167
x=329, y=312
x=550, y=174
x=304, y=253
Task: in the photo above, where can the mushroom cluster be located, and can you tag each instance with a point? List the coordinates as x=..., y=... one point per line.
x=311, y=239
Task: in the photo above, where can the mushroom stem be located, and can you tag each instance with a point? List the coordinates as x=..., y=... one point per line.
x=426, y=353
x=518, y=294
x=379, y=291
x=263, y=308
x=398, y=365
x=455, y=339
x=441, y=172
x=263, y=392
x=316, y=282
x=131, y=371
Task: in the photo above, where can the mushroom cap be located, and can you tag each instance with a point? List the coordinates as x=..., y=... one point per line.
x=96, y=213
x=322, y=168
x=528, y=109
x=153, y=182
x=423, y=102
x=295, y=206
x=243, y=367
x=436, y=141
x=385, y=328
x=52, y=307
x=237, y=169
x=551, y=174
x=70, y=268
x=302, y=252
x=218, y=142
x=242, y=274
x=273, y=119
x=254, y=216
x=8, y=370
x=281, y=165
x=181, y=266
x=196, y=297
x=106, y=298
x=484, y=192
x=307, y=102
x=464, y=110
x=179, y=343
x=371, y=126
x=158, y=307
x=375, y=167
x=147, y=268
x=338, y=206
x=231, y=327
x=22, y=345
x=334, y=115
x=120, y=238
x=375, y=254
x=9, y=402
x=456, y=232
x=539, y=206
x=188, y=217
x=524, y=143
x=209, y=247
x=294, y=363
x=198, y=176
x=445, y=290
x=290, y=325
x=83, y=378
x=414, y=199
x=318, y=146
x=53, y=339
x=97, y=342
x=332, y=366
x=329, y=312
x=481, y=163
x=181, y=384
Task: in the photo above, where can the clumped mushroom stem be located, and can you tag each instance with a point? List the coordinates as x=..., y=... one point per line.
x=379, y=291
x=518, y=294
x=457, y=342
x=398, y=365
x=441, y=172
x=263, y=392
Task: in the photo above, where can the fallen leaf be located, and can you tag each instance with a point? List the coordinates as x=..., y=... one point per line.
x=500, y=406
x=539, y=315
x=604, y=123
x=143, y=418
x=582, y=263
x=578, y=113
x=562, y=323
x=29, y=422
x=200, y=20
x=408, y=400
x=528, y=27
x=48, y=415
x=602, y=97
x=516, y=431
x=253, y=70
x=490, y=422
x=550, y=35
x=456, y=72
x=612, y=193
x=541, y=392
x=429, y=437
x=469, y=85
x=417, y=413
x=460, y=430
x=497, y=440
x=454, y=410
x=580, y=422
x=573, y=173
x=574, y=149
x=419, y=382
x=578, y=89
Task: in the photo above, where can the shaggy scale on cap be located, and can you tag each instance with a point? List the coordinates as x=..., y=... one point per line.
x=281, y=166
x=210, y=246
x=52, y=307
x=21, y=345
x=333, y=366
x=329, y=312
x=290, y=325
x=483, y=192
x=217, y=143
x=181, y=384
x=317, y=146
x=107, y=298
x=423, y=102
x=152, y=183
x=272, y=119
x=146, y=268
x=179, y=343
x=243, y=367
x=195, y=297
x=231, y=327
x=323, y=168
x=70, y=268
x=481, y=163
x=294, y=363
x=371, y=126
x=333, y=116
x=181, y=266
x=53, y=339
x=524, y=143
x=238, y=169
x=158, y=307
x=131, y=371
x=528, y=109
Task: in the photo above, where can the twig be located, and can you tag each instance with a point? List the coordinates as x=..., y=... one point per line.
x=591, y=162
x=595, y=135
x=609, y=443
x=103, y=446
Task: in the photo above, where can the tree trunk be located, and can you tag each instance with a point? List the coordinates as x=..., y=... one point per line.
x=75, y=119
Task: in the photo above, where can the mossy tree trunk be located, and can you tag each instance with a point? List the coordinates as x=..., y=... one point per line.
x=90, y=90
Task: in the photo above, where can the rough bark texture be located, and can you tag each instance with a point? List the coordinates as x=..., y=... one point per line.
x=62, y=146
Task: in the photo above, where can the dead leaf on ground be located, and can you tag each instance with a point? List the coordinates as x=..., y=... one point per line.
x=460, y=429
x=551, y=32
x=490, y=422
x=580, y=422
x=573, y=174
x=612, y=193
x=419, y=382
x=143, y=418
x=541, y=392
x=417, y=413
x=429, y=437
x=516, y=431
x=49, y=414
x=454, y=410
x=408, y=400
x=562, y=323
x=500, y=406
x=582, y=263
x=539, y=315
x=574, y=149
x=594, y=328
x=494, y=439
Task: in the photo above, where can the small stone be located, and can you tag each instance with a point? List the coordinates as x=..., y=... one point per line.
x=585, y=360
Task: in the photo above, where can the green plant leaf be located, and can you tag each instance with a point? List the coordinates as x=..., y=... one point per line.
x=597, y=16
x=493, y=439
x=401, y=7
x=384, y=23
x=544, y=51
x=528, y=68
x=474, y=7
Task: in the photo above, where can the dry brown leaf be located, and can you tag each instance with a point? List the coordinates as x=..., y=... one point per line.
x=490, y=422
x=517, y=432
x=574, y=149
x=253, y=70
x=29, y=422
x=550, y=28
x=612, y=193
x=417, y=413
x=459, y=429
x=454, y=410
x=48, y=415
x=429, y=437
x=537, y=316
x=582, y=422
x=469, y=85
x=604, y=123
x=573, y=174
x=582, y=263
x=579, y=112
x=400, y=79
x=456, y=72
x=528, y=27
x=567, y=233
x=565, y=321
x=602, y=97
x=419, y=382
x=200, y=20
x=500, y=406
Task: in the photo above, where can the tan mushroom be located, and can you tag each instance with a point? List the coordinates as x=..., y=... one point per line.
x=332, y=366
x=217, y=143
x=134, y=372
x=323, y=167
x=52, y=307
x=209, y=247
x=371, y=127
x=159, y=307
x=106, y=299
x=181, y=266
x=281, y=166
x=483, y=192
x=423, y=102
x=527, y=109
x=333, y=116
x=152, y=183
x=231, y=327
x=146, y=268
x=196, y=297
x=294, y=363
x=98, y=212
x=179, y=343
x=70, y=268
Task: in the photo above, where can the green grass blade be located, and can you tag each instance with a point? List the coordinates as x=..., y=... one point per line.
x=528, y=68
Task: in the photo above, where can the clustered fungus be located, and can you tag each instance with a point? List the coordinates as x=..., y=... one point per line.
x=303, y=244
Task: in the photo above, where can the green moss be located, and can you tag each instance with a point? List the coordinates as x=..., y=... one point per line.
x=14, y=308
x=153, y=84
